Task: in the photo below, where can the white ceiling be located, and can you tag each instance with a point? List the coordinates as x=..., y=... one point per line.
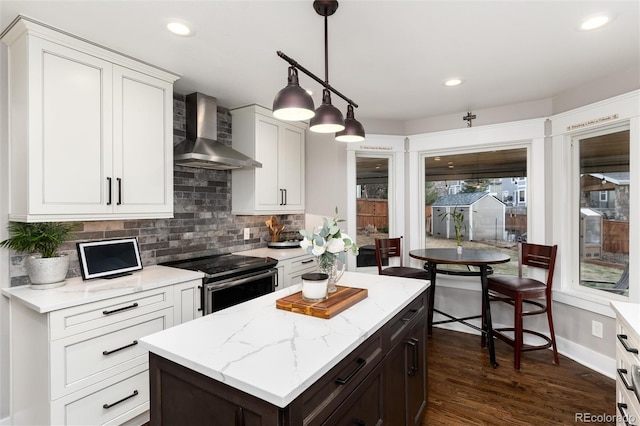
x=390, y=57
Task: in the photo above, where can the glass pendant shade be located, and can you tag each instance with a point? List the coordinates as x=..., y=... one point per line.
x=328, y=119
x=293, y=103
x=353, y=129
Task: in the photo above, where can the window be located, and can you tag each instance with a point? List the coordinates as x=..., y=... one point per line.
x=483, y=182
x=604, y=211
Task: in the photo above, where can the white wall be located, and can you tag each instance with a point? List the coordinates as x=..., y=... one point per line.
x=4, y=254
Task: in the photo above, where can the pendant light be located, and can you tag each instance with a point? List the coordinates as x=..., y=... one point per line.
x=293, y=103
x=353, y=130
x=327, y=118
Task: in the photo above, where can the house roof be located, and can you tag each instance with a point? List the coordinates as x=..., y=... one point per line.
x=461, y=199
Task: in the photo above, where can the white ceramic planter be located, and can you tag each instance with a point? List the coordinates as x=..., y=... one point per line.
x=47, y=272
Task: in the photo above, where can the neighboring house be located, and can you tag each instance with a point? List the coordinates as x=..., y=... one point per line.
x=484, y=216
x=607, y=193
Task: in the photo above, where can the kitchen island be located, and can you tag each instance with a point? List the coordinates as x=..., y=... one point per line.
x=255, y=364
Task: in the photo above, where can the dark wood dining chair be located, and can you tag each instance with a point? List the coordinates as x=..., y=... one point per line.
x=519, y=291
x=387, y=248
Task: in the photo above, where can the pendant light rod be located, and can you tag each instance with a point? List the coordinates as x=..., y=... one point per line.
x=324, y=84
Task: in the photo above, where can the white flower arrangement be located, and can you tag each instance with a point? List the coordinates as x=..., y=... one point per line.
x=328, y=242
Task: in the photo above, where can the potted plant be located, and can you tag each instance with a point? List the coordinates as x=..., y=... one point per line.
x=45, y=267
x=458, y=225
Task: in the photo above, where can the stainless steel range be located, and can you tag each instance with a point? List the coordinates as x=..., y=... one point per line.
x=231, y=279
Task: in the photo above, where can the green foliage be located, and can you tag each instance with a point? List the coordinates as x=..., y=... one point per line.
x=41, y=237
x=480, y=185
x=430, y=193
x=458, y=222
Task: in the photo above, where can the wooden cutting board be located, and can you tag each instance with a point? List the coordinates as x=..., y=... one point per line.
x=337, y=302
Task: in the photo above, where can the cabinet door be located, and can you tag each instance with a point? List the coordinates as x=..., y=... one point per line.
x=291, y=173
x=406, y=379
x=142, y=141
x=268, y=194
x=364, y=406
x=187, y=301
x=69, y=132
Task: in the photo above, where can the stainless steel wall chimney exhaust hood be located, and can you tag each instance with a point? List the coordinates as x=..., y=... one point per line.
x=200, y=148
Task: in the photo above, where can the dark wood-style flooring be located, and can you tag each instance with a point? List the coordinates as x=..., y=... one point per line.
x=465, y=390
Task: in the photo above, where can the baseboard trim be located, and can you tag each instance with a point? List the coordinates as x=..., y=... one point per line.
x=593, y=360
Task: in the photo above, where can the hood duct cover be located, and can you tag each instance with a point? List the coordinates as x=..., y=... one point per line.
x=200, y=148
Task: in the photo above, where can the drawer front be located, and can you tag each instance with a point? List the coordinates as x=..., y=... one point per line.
x=87, y=358
x=401, y=324
x=324, y=396
x=364, y=405
x=296, y=277
x=304, y=263
x=627, y=410
x=90, y=316
x=110, y=405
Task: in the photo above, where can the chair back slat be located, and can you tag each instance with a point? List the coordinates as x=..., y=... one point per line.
x=538, y=256
x=387, y=248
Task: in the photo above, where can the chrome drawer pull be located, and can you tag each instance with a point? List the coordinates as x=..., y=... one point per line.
x=106, y=406
x=625, y=382
x=623, y=339
x=135, y=305
x=135, y=342
x=361, y=363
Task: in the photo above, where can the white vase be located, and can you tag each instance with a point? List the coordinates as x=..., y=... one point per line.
x=47, y=272
x=459, y=249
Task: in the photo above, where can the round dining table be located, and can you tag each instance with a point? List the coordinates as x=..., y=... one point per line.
x=482, y=259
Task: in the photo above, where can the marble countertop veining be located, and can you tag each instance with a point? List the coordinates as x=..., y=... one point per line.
x=275, y=354
x=76, y=291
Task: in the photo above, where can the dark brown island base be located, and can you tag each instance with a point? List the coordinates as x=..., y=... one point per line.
x=383, y=380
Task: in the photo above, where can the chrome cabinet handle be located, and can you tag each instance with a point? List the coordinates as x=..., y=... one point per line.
x=623, y=339
x=135, y=342
x=106, y=406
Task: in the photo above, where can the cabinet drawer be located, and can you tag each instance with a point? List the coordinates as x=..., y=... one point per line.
x=626, y=407
x=399, y=326
x=364, y=405
x=304, y=263
x=110, y=405
x=90, y=316
x=324, y=396
x=87, y=358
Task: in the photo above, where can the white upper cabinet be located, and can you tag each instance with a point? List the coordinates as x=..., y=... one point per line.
x=278, y=186
x=91, y=131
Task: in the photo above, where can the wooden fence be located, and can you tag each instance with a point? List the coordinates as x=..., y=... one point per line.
x=615, y=236
x=372, y=212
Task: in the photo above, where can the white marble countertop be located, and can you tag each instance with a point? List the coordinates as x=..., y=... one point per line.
x=275, y=354
x=629, y=312
x=275, y=253
x=77, y=291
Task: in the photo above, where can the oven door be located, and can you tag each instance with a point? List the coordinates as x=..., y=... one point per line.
x=222, y=294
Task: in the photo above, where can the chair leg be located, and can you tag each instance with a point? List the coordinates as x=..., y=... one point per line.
x=556, y=359
x=517, y=333
x=483, y=335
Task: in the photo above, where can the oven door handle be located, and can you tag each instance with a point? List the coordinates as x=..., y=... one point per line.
x=239, y=280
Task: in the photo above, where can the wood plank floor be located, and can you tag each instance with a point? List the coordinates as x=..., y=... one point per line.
x=465, y=390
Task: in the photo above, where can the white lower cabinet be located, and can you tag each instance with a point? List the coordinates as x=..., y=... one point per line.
x=627, y=358
x=82, y=365
x=290, y=271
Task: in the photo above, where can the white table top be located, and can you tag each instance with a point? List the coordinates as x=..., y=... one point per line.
x=274, y=354
x=77, y=292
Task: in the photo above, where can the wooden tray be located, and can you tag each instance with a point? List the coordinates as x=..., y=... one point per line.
x=337, y=302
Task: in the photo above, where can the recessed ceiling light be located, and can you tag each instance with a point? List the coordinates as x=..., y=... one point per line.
x=594, y=22
x=453, y=82
x=179, y=28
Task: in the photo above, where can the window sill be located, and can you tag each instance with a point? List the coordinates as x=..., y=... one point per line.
x=586, y=300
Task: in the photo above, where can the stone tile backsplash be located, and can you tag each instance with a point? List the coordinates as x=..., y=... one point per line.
x=202, y=223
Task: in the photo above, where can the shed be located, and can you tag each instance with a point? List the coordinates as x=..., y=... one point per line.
x=484, y=216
